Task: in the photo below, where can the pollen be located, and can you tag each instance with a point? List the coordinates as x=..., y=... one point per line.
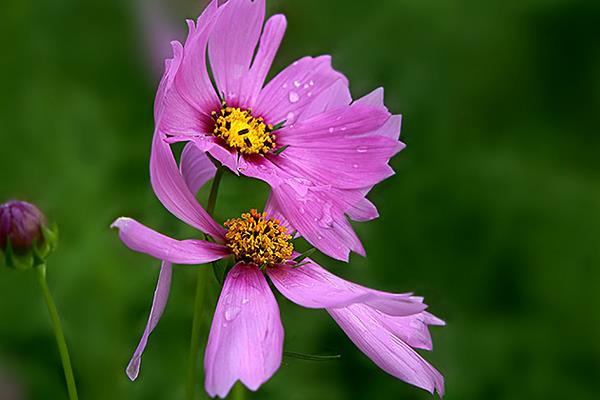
x=254, y=238
x=242, y=131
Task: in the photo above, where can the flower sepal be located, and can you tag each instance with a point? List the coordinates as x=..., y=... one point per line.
x=35, y=255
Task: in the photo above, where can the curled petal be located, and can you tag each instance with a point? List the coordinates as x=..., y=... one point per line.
x=192, y=80
x=173, y=192
x=369, y=331
x=246, y=337
x=312, y=286
x=145, y=240
x=196, y=168
x=161, y=295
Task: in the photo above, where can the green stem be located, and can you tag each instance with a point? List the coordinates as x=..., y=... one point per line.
x=201, y=279
x=58, y=332
x=238, y=392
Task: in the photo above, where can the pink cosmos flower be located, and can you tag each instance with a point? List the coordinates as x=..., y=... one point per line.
x=246, y=337
x=320, y=152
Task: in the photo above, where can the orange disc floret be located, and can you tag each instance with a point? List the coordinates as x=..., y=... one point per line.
x=254, y=238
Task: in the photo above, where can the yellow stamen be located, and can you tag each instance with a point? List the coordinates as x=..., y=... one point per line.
x=254, y=238
x=240, y=130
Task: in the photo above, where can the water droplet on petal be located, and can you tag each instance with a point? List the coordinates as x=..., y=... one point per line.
x=331, y=130
x=302, y=210
x=245, y=301
x=355, y=166
x=297, y=84
x=232, y=312
x=290, y=116
x=311, y=83
x=294, y=97
x=362, y=149
x=344, y=128
x=285, y=85
x=309, y=94
x=305, y=86
x=326, y=220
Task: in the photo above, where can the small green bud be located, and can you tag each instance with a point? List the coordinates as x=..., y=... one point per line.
x=25, y=238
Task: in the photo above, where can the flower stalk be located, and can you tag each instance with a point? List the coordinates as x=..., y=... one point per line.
x=58, y=332
x=201, y=281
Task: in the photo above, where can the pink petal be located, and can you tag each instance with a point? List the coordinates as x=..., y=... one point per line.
x=365, y=327
x=273, y=211
x=145, y=240
x=312, y=286
x=232, y=44
x=318, y=217
x=161, y=295
x=196, y=168
x=363, y=209
x=269, y=44
x=334, y=148
x=413, y=329
x=173, y=192
x=172, y=113
x=287, y=95
x=192, y=80
x=246, y=337
x=335, y=96
x=316, y=212
x=391, y=128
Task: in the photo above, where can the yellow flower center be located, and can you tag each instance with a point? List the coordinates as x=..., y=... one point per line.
x=254, y=238
x=241, y=131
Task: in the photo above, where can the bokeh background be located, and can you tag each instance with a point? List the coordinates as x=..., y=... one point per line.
x=493, y=215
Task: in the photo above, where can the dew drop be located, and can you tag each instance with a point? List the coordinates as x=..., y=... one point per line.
x=302, y=210
x=285, y=85
x=311, y=83
x=294, y=97
x=309, y=94
x=290, y=116
x=245, y=301
x=232, y=312
x=331, y=130
x=361, y=149
x=355, y=166
x=306, y=86
x=326, y=220
x=297, y=84
x=344, y=128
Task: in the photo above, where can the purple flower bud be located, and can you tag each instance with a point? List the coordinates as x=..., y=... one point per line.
x=22, y=223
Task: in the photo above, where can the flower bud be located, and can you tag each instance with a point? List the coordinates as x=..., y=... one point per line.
x=25, y=238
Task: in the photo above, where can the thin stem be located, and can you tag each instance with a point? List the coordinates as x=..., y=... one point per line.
x=214, y=190
x=238, y=392
x=201, y=279
x=58, y=332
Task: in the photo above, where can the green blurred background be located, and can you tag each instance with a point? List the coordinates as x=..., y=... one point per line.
x=493, y=216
